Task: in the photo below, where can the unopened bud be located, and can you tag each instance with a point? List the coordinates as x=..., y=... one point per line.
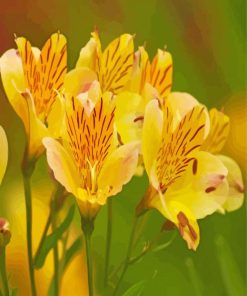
x=5, y=233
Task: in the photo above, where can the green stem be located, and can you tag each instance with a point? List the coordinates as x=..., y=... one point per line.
x=3, y=271
x=129, y=250
x=87, y=228
x=55, y=255
x=108, y=240
x=28, y=201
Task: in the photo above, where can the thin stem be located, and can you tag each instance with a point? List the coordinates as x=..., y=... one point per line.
x=108, y=240
x=89, y=263
x=28, y=201
x=126, y=262
x=3, y=271
x=87, y=228
x=55, y=254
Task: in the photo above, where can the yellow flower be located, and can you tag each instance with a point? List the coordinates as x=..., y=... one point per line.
x=215, y=141
x=112, y=66
x=3, y=153
x=88, y=163
x=186, y=184
x=149, y=80
x=31, y=79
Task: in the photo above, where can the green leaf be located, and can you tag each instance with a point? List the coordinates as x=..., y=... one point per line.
x=135, y=290
x=165, y=245
x=73, y=249
x=52, y=239
x=194, y=276
x=14, y=292
x=234, y=283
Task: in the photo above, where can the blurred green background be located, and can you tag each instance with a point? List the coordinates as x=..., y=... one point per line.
x=208, y=42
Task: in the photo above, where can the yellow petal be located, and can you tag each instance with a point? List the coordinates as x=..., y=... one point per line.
x=181, y=216
x=235, y=197
x=129, y=116
x=133, y=84
x=56, y=118
x=119, y=168
x=152, y=134
x=78, y=80
x=161, y=73
x=13, y=82
x=36, y=130
x=144, y=65
x=219, y=130
x=186, y=223
x=179, y=147
x=22, y=101
x=180, y=103
x=116, y=64
x=3, y=153
x=202, y=188
x=90, y=133
x=46, y=76
x=88, y=54
x=149, y=93
x=62, y=165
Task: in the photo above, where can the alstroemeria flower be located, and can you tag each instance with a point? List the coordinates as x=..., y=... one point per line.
x=3, y=153
x=32, y=79
x=88, y=162
x=215, y=141
x=181, y=176
x=112, y=66
x=149, y=80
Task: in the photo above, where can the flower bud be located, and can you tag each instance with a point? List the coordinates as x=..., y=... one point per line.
x=5, y=233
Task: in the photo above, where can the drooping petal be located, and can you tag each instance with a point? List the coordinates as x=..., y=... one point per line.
x=182, y=216
x=62, y=165
x=152, y=134
x=115, y=65
x=119, y=168
x=129, y=116
x=186, y=223
x=13, y=82
x=235, y=197
x=3, y=153
x=219, y=130
x=202, y=188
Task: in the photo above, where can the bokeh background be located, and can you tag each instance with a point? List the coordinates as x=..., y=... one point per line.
x=208, y=42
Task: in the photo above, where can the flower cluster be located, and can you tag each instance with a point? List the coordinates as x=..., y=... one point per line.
x=114, y=116
x=114, y=111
